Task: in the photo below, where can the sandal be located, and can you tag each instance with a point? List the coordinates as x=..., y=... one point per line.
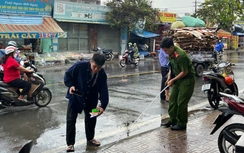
x=22, y=100
x=70, y=148
x=93, y=142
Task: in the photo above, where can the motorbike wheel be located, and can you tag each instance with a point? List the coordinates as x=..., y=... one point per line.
x=122, y=62
x=199, y=70
x=43, y=98
x=212, y=97
x=109, y=57
x=229, y=136
x=136, y=63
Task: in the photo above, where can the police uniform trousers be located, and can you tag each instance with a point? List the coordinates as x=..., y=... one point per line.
x=181, y=93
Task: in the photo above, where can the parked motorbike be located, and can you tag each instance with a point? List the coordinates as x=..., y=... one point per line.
x=220, y=79
x=38, y=94
x=230, y=134
x=126, y=60
x=108, y=53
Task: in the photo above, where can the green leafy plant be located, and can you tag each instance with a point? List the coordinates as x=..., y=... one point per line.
x=127, y=13
x=220, y=12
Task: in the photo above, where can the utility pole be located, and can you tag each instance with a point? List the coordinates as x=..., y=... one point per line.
x=195, y=5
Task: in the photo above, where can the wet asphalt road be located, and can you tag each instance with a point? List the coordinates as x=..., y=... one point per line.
x=131, y=90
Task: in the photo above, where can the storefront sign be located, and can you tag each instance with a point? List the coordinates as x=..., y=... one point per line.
x=167, y=17
x=85, y=13
x=33, y=7
x=32, y=35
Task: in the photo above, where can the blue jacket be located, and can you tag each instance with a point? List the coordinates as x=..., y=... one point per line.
x=79, y=76
x=219, y=46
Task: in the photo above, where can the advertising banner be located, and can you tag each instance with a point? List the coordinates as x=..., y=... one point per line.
x=32, y=35
x=167, y=17
x=30, y=7
x=86, y=13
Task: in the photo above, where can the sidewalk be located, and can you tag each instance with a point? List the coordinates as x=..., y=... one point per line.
x=66, y=59
x=196, y=139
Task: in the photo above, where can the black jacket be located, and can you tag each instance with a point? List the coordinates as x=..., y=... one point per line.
x=79, y=75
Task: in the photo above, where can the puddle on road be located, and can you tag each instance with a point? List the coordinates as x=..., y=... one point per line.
x=199, y=112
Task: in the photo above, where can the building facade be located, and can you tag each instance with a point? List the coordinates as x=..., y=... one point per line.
x=85, y=26
x=30, y=24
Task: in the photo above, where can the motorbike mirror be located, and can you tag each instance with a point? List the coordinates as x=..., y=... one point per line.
x=22, y=63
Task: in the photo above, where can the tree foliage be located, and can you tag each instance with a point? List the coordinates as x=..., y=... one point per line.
x=126, y=13
x=220, y=12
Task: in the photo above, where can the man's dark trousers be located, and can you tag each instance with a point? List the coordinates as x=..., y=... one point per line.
x=164, y=73
x=90, y=124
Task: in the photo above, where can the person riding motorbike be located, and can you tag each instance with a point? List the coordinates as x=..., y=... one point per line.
x=131, y=51
x=219, y=47
x=16, y=55
x=12, y=73
x=136, y=51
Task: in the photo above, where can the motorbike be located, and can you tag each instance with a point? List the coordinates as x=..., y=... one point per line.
x=230, y=134
x=220, y=79
x=107, y=52
x=28, y=64
x=27, y=147
x=126, y=60
x=38, y=94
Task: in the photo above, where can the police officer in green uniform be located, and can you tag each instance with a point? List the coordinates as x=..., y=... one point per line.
x=182, y=82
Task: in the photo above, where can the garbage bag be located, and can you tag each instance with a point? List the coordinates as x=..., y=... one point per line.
x=177, y=24
x=189, y=21
x=199, y=23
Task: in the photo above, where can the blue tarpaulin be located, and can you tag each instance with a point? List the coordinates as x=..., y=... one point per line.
x=145, y=34
x=238, y=33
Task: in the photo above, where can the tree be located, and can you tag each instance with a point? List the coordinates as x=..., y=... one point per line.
x=220, y=12
x=127, y=13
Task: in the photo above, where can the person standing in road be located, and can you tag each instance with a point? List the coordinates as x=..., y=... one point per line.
x=86, y=82
x=163, y=60
x=182, y=83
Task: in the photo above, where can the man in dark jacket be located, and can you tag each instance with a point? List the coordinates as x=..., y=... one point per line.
x=87, y=82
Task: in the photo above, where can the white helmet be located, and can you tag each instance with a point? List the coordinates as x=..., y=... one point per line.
x=10, y=49
x=12, y=43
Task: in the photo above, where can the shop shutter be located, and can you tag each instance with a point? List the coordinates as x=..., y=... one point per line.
x=108, y=38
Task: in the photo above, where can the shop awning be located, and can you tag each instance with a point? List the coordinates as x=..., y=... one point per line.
x=145, y=34
x=238, y=33
x=12, y=27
